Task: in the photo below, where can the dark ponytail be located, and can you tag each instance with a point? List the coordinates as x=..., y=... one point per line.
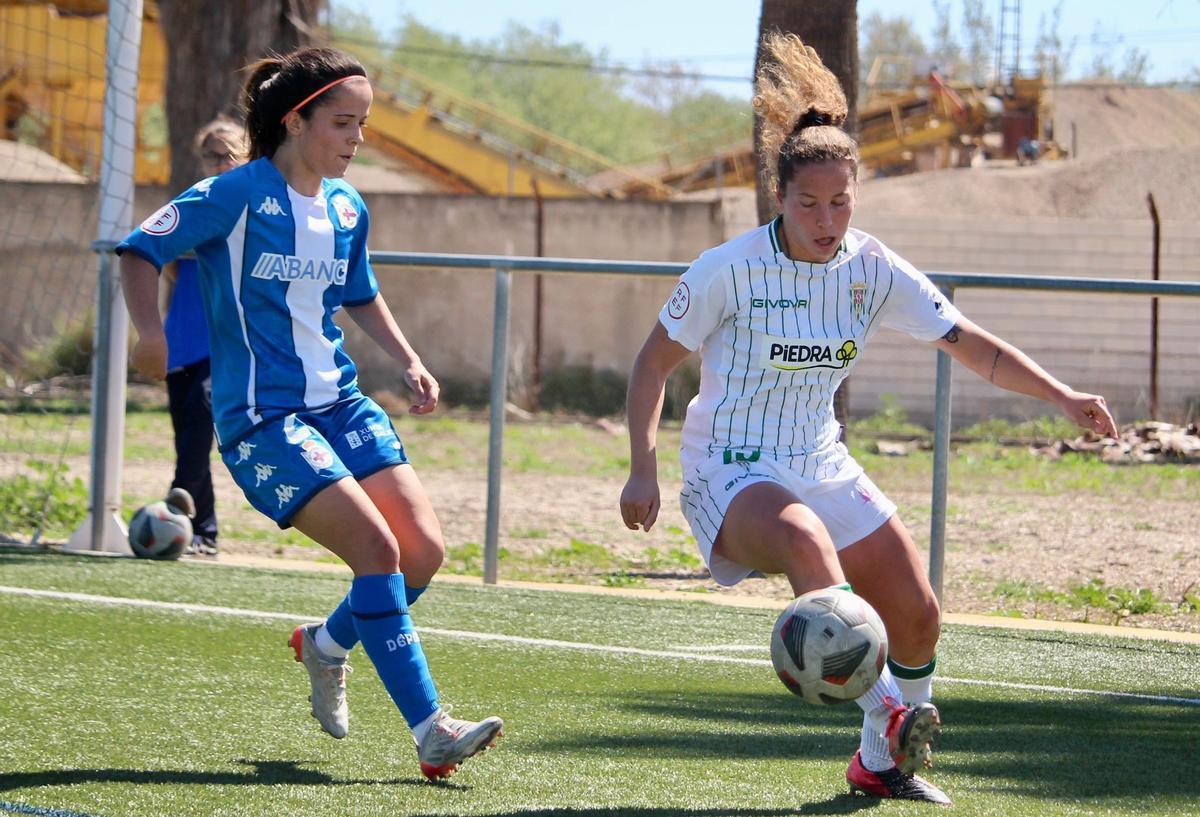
x=276, y=84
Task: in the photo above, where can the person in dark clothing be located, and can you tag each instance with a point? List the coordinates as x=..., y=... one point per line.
x=221, y=146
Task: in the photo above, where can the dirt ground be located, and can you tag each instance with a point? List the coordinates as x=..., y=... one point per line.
x=1129, y=141
x=992, y=539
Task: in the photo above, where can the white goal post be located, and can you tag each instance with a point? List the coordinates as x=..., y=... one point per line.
x=103, y=530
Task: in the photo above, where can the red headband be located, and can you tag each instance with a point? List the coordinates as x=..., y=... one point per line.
x=320, y=91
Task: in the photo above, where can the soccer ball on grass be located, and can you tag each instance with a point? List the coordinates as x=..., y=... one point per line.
x=162, y=530
x=829, y=646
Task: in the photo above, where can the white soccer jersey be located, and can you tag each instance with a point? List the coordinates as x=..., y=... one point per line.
x=275, y=266
x=777, y=336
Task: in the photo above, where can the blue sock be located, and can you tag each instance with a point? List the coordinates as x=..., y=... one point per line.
x=387, y=634
x=340, y=625
x=411, y=594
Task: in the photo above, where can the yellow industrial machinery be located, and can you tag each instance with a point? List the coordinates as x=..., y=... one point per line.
x=52, y=89
x=52, y=82
x=906, y=123
x=472, y=147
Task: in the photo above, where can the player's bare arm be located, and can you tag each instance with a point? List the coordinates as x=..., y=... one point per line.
x=999, y=362
x=139, y=282
x=659, y=356
x=376, y=320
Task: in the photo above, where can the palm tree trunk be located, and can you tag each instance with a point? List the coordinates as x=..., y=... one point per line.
x=830, y=27
x=208, y=44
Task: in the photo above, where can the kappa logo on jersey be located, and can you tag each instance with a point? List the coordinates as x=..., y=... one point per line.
x=790, y=354
x=163, y=221
x=782, y=303
x=270, y=206
x=204, y=185
x=296, y=268
x=284, y=493
x=347, y=215
x=316, y=455
x=681, y=299
x=262, y=473
x=244, y=449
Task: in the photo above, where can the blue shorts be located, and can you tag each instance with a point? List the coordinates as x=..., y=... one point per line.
x=287, y=461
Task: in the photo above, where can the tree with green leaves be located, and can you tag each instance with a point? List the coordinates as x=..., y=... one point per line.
x=1051, y=55
x=535, y=76
x=886, y=37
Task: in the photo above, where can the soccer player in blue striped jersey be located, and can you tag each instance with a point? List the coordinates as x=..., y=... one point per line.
x=780, y=316
x=282, y=246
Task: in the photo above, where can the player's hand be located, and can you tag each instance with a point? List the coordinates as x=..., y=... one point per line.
x=640, y=502
x=149, y=356
x=1088, y=411
x=424, y=386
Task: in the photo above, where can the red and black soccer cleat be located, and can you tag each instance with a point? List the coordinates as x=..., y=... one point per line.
x=892, y=784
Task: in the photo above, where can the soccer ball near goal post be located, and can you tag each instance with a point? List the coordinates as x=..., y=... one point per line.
x=829, y=646
x=163, y=529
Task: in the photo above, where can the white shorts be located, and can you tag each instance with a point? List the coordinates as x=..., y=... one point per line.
x=849, y=504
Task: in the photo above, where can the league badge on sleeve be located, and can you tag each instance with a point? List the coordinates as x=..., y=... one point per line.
x=681, y=299
x=163, y=221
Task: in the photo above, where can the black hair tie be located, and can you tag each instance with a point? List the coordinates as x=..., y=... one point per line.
x=812, y=118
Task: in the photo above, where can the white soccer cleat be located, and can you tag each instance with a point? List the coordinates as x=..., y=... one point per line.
x=328, y=678
x=450, y=741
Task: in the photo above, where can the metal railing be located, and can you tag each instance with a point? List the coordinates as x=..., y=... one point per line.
x=504, y=267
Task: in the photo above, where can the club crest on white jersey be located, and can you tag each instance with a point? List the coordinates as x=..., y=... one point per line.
x=270, y=206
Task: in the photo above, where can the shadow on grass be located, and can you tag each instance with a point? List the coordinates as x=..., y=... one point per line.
x=265, y=773
x=1063, y=749
x=840, y=804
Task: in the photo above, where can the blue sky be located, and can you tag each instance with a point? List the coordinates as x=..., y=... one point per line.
x=717, y=36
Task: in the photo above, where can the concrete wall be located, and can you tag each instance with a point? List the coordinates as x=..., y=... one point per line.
x=1093, y=342
x=1097, y=343
x=595, y=320
x=47, y=268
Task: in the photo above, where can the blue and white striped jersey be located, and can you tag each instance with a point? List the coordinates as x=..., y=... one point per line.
x=274, y=268
x=777, y=336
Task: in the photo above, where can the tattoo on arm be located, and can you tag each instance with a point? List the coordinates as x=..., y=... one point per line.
x=995, y=360
x=951, y=336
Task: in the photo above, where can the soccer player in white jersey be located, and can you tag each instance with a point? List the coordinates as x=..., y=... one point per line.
x=281, y=244
x=780, y=315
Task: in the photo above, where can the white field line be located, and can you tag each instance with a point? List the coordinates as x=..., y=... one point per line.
x=681, y=653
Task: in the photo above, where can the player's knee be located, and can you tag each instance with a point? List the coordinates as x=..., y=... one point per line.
x=804, y=534
x=425, y=560
x=382, y=552
x=918, y=632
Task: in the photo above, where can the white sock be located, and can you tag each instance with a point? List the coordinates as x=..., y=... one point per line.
x=916, y=683
x=873, y=749
x=422, y=729
x=873, y=745
x=327, y=645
